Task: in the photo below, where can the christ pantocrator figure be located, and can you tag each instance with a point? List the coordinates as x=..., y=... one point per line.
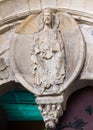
x=48, y=55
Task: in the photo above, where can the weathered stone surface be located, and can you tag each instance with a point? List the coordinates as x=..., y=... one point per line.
x=88, y=68
x=15, y=8
x=10, y=8
x=45, y=43
x=51, y=111
x=63, y=3
x=77, y=5
x=49, y=52
x=34, y=5
x=48, y=3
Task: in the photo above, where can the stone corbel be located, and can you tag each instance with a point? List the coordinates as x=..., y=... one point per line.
x=51, y=109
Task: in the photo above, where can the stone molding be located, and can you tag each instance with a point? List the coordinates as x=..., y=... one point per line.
x=76, y=66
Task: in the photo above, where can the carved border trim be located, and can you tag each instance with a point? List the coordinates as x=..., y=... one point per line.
x=78, y=15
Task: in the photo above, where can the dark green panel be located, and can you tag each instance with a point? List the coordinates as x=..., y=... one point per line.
x=20, y=105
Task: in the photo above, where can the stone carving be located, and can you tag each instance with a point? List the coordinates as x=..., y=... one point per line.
x=47, y=65
x=3, y=70
x=47, y=56
x=6, y=74
x=4, y=66
x=87, y=72
x=51, y=111
x=48, y=51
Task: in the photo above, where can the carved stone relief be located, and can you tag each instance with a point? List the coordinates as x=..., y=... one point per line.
x=51, y=109
x=45, y=54
x=5, y=69
x=51, y=57
x=47, y=68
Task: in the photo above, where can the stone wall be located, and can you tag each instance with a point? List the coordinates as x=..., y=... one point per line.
x=12, y=8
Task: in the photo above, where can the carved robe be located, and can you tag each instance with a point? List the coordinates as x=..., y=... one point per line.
x=48, y=58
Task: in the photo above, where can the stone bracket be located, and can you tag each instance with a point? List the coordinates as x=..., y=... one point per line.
x=51, y=109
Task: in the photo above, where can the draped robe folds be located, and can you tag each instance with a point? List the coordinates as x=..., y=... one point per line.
x=47, y=58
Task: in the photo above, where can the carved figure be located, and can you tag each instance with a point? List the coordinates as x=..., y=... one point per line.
x=47, y=55
x=51, y=113
x=54, y=51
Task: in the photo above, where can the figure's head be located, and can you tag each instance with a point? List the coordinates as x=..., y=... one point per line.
x=47, y=16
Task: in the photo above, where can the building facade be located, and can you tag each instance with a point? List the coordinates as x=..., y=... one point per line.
x=46, y=55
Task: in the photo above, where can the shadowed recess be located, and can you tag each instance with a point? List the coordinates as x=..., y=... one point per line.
x=20, y=105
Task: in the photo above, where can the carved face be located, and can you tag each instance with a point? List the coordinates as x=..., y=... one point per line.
x=47, y=16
